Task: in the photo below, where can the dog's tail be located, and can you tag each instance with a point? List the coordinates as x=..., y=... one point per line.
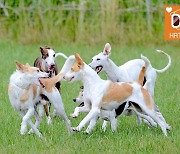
x=61, y=54
x=68, y=64
x=146, y=60
x=169, y=62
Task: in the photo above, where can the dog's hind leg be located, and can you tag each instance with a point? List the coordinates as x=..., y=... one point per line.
x=25, y=118
x=56, y=100
x=36, y=131
x=156, y=119
x=47, y=111
x=104, y=125
x=38, y=116
x=163, y=119
x=148, y=120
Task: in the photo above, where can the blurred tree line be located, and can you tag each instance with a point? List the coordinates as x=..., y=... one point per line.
x=84, y=21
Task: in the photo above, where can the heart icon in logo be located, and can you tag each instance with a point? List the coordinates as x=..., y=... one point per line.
x=169, y=9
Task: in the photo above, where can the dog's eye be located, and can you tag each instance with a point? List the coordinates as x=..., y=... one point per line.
x=54, y=55
x=98, y=59
x=47, y=55
x=38, y=71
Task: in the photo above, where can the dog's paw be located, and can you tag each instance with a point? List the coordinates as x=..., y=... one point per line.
x=75, y=129
x=31, y=131
x=23, y=130
x=40, y=136
x=86, y=132
x=73, y=116
x=169, y=128
x=49, y=120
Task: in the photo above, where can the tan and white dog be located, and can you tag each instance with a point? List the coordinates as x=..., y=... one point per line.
x=108, y=95
x=25, y=89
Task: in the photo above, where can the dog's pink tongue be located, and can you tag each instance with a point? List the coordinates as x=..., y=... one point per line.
x=97, y=69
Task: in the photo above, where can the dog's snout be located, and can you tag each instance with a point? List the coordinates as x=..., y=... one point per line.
x=52, y=65
x=74, y=99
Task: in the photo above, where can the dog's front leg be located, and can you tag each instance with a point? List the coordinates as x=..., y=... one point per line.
x=91, y=125
x=94, y=112
x=77, y=110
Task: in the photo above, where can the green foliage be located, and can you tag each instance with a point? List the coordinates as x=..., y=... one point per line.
x=129, y=138
x=92, y=22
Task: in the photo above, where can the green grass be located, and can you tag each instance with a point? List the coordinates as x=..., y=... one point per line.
x=129, y=138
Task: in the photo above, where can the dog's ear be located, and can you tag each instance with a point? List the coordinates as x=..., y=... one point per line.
x=27, y=65
x=107, y=49
x=19, y=66
x=78, y=59
x=42, y=50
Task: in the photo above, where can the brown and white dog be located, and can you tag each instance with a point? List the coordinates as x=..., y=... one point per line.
x=25, y=90
x=108, y=95
x=46, y=63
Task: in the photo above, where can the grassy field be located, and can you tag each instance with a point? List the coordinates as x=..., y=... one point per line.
x=129, y=138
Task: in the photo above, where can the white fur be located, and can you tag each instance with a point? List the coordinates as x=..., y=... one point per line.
x=19, y=83
x=95, y=88
x=129, y=71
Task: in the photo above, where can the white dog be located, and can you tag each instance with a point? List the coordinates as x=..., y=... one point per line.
x=25, y=90
x=106, y=95
x=127, y=72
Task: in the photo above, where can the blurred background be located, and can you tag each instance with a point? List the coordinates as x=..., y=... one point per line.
x=122, y=22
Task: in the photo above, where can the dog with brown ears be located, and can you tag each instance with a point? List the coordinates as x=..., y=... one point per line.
x=26, y=86
x=46, y=63
x=108, y=95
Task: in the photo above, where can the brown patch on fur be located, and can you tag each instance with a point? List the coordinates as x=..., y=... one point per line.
x=147, y=98
x=75, y=67
x=79, y=59
x=78, y=64
x=46, y=110
x=25, y=95
x=49, y=83
x=141, y=76
x=25, y=68
x=34, y=88
x=116, y=92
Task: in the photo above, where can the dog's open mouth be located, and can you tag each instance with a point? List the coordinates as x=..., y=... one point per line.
x=99, y=68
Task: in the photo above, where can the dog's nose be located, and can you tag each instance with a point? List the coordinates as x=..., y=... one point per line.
x=74, y=99
x=52, y=65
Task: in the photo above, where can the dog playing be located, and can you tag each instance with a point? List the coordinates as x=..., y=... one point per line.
x=24, y=93
x=25, y=90
x=46, y=63
x=108, y=95
x=129, y=71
